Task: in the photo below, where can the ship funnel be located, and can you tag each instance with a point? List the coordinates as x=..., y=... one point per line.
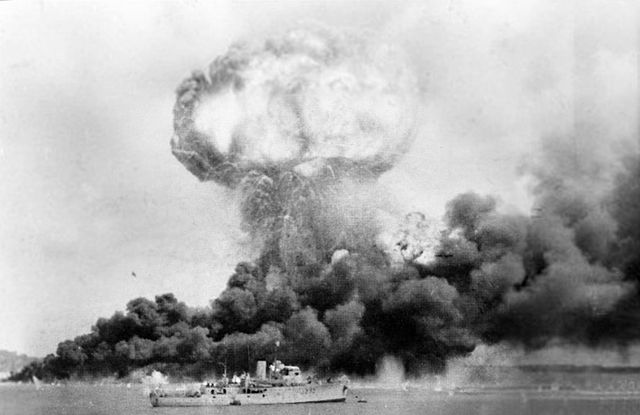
x=261, y=369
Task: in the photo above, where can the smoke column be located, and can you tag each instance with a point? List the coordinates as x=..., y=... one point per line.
x=302, y=126
x=290, y=122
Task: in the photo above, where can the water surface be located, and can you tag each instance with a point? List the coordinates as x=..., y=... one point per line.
x=80, y=399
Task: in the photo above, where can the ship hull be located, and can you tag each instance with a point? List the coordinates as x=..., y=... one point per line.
x=258, y=396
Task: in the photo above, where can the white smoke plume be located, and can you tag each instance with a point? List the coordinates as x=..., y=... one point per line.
x=311, y=101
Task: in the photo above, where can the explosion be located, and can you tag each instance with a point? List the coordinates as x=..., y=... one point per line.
x=302, y=126
x=313, y=103
x=292, y=123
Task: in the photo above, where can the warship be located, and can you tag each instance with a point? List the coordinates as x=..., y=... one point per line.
x=284, y=385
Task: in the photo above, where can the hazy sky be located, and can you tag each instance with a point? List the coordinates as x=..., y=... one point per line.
x=89, y=190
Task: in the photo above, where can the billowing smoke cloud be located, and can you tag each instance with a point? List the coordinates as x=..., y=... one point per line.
x=287, y=123
x=313, y=103
x=302, y=126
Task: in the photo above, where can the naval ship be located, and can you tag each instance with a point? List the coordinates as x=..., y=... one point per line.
x=284, y=385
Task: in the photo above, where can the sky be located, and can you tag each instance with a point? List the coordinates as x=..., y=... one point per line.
x=89, y=190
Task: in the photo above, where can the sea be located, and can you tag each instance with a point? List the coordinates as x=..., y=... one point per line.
x=88, y=399
x=564, y=392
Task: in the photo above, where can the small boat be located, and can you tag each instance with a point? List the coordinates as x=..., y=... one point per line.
x=285, y=385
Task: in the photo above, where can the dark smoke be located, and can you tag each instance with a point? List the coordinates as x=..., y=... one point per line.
x=335, y=295
x=568, y=271
x=625, y=209
x=556, y=274
x=301, y=127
